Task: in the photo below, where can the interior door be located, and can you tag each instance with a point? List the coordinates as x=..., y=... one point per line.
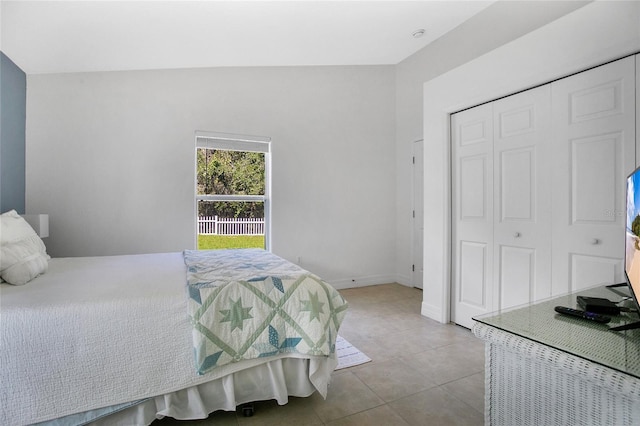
x=472, y=209
x=522, y=197
x=418, y=213
x=594, y=151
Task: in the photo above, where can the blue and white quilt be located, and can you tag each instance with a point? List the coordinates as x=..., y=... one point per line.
x=249, y=303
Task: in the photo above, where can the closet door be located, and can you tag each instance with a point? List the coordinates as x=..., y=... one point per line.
x=522, y=199
x=472, y=208
x=594, y=151
x=501, y=204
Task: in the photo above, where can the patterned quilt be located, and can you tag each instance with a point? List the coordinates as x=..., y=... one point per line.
x=249, y=303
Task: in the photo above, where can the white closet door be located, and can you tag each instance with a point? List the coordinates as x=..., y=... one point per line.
x=522, y=198
x=594, y=151
x=472, y=207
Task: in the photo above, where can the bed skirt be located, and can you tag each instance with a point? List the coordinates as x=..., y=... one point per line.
x=277, y=379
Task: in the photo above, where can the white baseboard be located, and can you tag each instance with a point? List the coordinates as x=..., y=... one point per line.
x=363, y=281
x=404, y=280
x=432, y=311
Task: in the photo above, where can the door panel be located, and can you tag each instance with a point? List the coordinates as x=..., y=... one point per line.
x=473, y=177
x=472, y=209
x=595, y=163
x=515, y=121
x=588, y=271
x=517, y=185
x=517, y=275
x=594, y=151
x=596, y=102
x=476, y=131
x=522, y=225
x=473, y=273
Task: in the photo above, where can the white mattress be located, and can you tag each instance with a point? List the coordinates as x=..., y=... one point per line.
x=99, y=331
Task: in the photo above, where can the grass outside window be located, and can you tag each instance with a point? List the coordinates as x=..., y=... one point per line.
x=217, y=242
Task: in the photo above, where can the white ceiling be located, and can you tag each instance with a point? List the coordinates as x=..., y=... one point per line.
x=78, y=36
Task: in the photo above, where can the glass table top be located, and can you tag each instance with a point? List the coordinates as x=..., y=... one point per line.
x=586, y=339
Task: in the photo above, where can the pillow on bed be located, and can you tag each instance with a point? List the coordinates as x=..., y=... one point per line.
x=23, y=255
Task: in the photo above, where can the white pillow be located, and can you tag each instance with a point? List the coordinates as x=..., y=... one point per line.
x=23, y=255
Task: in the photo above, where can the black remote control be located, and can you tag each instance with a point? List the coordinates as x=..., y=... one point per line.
x=591, y=316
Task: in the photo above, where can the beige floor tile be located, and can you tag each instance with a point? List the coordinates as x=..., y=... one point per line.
x=409, y=320
x=373, y=347
x=440, y=335
x=436, y=407
x=469, y=390
x=373, y=325
x=449, y=363
x=409, y=342
x=379, y=416
x=347, y=395
x=393, y=379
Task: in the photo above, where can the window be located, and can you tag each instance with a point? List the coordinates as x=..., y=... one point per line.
x=233, y=188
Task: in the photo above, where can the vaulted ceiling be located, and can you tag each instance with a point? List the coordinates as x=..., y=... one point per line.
x=77, y=36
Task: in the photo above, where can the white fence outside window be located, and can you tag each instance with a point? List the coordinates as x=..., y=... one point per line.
x=214, y=225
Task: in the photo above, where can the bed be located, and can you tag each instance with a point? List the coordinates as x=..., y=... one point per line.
x=128, y=339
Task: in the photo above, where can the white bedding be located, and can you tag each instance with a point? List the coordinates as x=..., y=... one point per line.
x=90, y=333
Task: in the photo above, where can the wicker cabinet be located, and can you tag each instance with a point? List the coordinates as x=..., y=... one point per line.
x=547, y=369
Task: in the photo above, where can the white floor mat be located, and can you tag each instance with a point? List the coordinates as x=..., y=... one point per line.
x=348, y=355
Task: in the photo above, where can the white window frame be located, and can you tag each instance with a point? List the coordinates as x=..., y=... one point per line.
x=235, y=142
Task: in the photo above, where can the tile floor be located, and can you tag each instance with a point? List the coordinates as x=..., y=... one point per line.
x=422, y=372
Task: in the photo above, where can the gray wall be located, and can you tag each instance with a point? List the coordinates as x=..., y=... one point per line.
x=13, y=93
x=110, y=157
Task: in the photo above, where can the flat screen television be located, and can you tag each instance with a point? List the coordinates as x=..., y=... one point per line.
x=632, y=243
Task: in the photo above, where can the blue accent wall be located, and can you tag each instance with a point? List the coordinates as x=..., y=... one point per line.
x=13, y=112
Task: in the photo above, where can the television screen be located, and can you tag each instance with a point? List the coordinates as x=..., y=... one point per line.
x=632, y=242
x=632, y=252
